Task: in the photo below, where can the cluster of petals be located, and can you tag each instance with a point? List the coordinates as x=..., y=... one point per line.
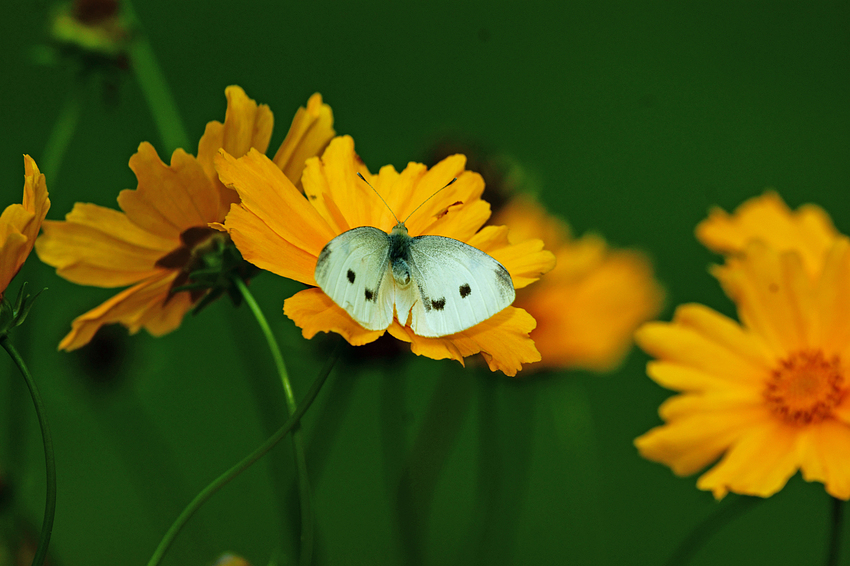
x=588, y=307
x=765, y=396
x=20, y=223
x=281, y=230
x=164, y=222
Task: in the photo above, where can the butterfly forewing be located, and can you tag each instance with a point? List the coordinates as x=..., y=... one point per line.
x=353, y=270
x=458, y=286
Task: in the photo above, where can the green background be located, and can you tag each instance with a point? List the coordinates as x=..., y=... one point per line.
x=631, y=118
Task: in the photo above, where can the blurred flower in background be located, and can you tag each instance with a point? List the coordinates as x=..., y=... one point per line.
x=289, y=244
x=163, y=233
x=768, y=394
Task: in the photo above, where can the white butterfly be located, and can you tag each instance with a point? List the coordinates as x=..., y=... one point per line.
x=444, y=284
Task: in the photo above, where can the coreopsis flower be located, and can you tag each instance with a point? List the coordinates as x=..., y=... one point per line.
x=276, y=228
x=589, y=306
x=767, y=395
x=94, y=30
x=164, y=233
x=20, y=223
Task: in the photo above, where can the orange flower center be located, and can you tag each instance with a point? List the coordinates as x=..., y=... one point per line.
x=805, y=387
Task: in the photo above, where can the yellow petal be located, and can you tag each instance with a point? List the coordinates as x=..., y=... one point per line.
x=315, y=312
x=143, y=305
x=101, y=247
x=825, y=453
x=759, y=463
x=268, y=194
x=169, y=199
x=526, y=261
x=310, y=132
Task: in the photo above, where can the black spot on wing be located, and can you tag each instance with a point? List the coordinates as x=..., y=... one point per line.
x=370, y=295
x=464, y=290
x=351, y=276
x=439, y=304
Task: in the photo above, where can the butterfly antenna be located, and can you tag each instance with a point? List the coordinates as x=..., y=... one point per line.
x=379, y=196
x=429, y=198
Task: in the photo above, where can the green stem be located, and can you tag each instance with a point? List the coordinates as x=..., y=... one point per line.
x=223, y=479
x=50, y=504
x=61, y=134
x=154, y=87
x=835, y=535
x=713, y=523
x=297, y=436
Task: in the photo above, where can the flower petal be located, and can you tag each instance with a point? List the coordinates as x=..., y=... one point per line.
x=268, y=194
x=315, y=312
x=502, y=340
x=142, y=306
x=759, y=463
x=310, y=132
x=526, y=261
x=101, y=247
x=825, y=450
x=169, y=199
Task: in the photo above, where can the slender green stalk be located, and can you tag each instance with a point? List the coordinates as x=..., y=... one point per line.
x=154, y=87
x=713, y=523
x=50, y=504
x=835, y=535
x=62, y=134
x=222, y=480
x=306, y=550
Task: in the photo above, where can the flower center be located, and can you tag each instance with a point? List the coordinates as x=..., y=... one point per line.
x=805, y=387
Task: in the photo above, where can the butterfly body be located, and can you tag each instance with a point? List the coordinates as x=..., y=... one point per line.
x=440, y=285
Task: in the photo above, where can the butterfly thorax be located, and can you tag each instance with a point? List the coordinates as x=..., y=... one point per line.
x=400, y=254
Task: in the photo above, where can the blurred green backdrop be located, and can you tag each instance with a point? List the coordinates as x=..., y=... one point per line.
x=633, y=118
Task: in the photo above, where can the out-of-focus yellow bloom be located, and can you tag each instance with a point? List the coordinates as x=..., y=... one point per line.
x=163, y=231
x=767, y=395
x=588, y=307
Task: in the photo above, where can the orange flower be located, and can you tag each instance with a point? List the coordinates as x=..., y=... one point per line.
x=279, y=230
x=20, y=223
x=589, y=306
x=768, y=395
x=164, y=228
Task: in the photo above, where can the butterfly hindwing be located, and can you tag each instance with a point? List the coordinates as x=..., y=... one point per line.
x=458, y=286
x=353, y=270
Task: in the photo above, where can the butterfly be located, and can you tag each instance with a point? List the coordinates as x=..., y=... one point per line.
x=443, y=284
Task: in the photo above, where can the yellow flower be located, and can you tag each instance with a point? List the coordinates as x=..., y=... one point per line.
x=20, y=223
x=279, y=230
x=588, y=307
x=769, y=395
x=164, y=227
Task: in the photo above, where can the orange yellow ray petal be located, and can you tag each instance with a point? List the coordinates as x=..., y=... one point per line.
x=101, y=247
x=310, y=132
x=142, y=305
x=266, y=192
x=526, y=261
x=825, y=451
x=169, y=199
x=315, y=312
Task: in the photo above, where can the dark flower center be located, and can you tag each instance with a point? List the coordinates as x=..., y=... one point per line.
x=805, y=387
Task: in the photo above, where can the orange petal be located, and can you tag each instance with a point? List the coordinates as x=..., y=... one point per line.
x=808, y=231
x=525, y=261
x=261, y=246
x=697, y=439
x=169, y=199
x=267, y=193
x=759, y=463
x=825, y=450
x=502, y=340
x=141, y=306
x=833, y=301
x=310, y=132
x=315, y=312
x=101, y=247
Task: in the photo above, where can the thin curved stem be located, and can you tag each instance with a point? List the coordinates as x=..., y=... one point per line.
x=62, y=133
x=835, y=535
x=223, y=479
x=706, y=529
x=306, y=550
x=50, y=462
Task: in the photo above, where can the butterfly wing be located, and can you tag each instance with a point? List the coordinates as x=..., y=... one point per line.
x=353, y=270
x=458, y=286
